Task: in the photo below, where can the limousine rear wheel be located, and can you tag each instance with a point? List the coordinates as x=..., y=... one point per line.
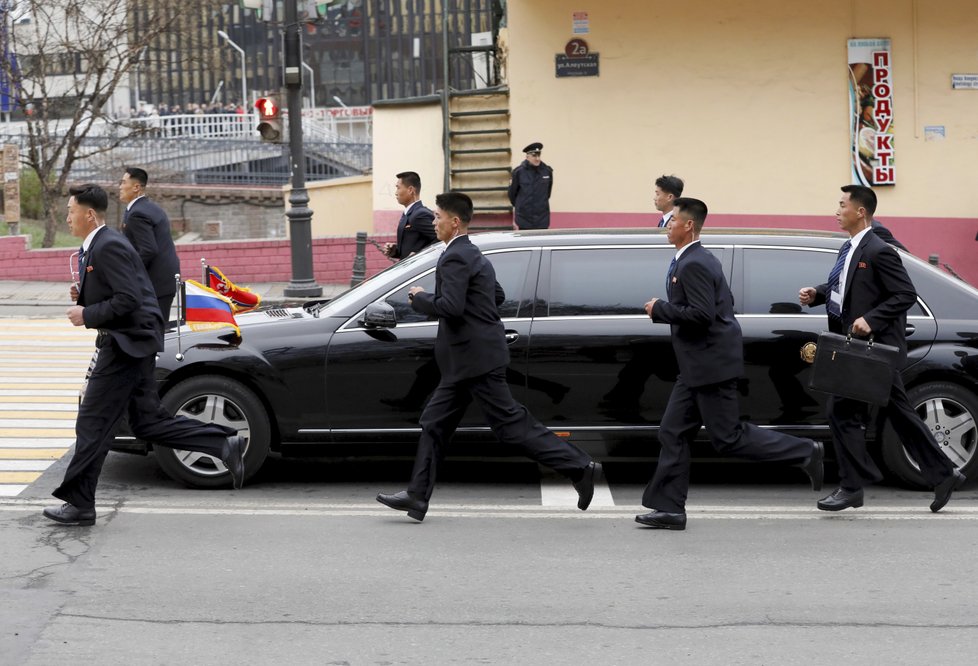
x=215, y=399
x=951, y=415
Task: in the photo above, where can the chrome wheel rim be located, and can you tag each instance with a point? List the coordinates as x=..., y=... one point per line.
x=953, y=428
x=211, y=408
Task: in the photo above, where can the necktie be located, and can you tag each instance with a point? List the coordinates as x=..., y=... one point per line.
x=672, y=267
x=662, y=222
x=81, y=261
x=833, y=283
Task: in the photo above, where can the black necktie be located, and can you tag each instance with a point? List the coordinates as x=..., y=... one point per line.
x=672, y=267
x=81, y=262
x=662, y=222
x=833, y=283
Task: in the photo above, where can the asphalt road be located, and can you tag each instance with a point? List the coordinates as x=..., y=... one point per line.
x=304, y=567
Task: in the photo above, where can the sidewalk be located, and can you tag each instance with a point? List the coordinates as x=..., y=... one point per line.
x=22, y=293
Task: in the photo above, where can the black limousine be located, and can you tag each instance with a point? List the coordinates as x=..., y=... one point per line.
x=319, y=380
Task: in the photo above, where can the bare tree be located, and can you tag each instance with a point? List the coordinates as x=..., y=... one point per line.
x=69, y=62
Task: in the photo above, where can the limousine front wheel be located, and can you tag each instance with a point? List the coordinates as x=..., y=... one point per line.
x=951, y=414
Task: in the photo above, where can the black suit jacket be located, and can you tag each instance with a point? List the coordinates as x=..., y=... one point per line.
x=118, y=297
x=415, y=231
x=705, y=335
x=471, y=340
x=877, y=289
x=148, y=229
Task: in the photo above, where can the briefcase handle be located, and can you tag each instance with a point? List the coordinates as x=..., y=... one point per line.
x=869, y=342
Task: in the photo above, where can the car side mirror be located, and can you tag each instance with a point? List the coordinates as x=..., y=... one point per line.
x=379, y=315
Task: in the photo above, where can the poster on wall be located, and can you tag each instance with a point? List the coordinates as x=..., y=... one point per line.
x=871, y=154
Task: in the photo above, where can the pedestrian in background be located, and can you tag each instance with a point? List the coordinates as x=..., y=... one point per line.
x=472, y=355
x=529, y=190
x=868, y=294
x=147, y=227
x=667, y=190
x=115, y=296
x=709, y=349
x=415, y=230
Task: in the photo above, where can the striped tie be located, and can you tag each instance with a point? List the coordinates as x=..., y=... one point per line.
x=672, y=267
x=833, y=283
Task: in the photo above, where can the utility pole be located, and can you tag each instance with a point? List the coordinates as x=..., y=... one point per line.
x=303, y=284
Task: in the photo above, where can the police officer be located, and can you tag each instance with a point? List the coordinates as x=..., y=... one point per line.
x=529, y=191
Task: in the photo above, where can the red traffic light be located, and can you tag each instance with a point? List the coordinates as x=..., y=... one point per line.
x=267, y=107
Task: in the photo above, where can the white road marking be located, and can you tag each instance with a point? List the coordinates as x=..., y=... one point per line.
x=560, y=492
x=10, y=490
x=25, y=465
x=35, y=442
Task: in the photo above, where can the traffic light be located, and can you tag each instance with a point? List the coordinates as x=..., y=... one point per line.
x=269, y=119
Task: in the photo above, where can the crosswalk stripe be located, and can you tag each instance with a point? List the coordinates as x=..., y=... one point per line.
x=19, y=477
x=37, y=432
x=65, y=404
x=36, y=442
x=40, y=395
x=9, y=417
x=11, y=490
x=32, y=454
x=47, y=383
x=36, y=465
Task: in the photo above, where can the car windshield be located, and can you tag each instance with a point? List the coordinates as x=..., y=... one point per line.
x=395, y=272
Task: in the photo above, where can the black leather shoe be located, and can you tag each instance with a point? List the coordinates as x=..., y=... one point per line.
x=661, y=520
x=234, y=451
x=69, y=514
x=404, y=501
x=814, y=466
x=841, y=499
x=585, y=487
x=943, y=490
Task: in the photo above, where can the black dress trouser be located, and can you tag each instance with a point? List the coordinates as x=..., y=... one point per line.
x=847, y=419
x=121, y=384
x=510, y=422
x=716, y=406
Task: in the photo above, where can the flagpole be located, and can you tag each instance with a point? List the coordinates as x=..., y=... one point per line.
x=181, y=296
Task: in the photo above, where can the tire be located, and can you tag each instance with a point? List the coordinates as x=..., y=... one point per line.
x=951, y=413
x=215, y=399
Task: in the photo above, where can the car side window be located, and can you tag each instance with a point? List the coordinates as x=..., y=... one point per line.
x=606, y=281
x=773, y=276
x=510, y=270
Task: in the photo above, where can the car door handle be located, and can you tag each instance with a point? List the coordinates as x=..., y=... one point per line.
x=511, y=337
x=910, y=329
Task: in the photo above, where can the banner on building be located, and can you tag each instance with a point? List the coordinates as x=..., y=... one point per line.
x=871, y=151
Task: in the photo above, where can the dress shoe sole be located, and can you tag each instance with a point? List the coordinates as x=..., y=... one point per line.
x=840, y=507
x=417, y=514
x=656, y=525
x=596, y=476
x=939, y=504
x=86, y=522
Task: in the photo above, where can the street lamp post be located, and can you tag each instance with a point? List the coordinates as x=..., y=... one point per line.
x=244, y=85
x=303, y=284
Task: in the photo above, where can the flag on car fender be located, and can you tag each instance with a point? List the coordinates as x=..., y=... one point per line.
x=206, y=310
x=242, y=299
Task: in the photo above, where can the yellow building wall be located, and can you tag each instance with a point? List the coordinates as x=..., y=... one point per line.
x=406, y=137
x=340, y=206
x=745, y=100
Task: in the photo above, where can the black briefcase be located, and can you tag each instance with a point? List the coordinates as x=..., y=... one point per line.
x=853, y=368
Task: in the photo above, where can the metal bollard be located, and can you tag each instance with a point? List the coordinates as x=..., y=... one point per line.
x=360, y=260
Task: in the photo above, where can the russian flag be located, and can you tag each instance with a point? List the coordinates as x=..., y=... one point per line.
x=207, y=310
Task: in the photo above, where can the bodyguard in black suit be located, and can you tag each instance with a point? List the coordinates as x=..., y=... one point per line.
x=147, y=227
x=472, y=355
x=114, y=296
x=415, y=230
x=869, y=293
x=709, y=349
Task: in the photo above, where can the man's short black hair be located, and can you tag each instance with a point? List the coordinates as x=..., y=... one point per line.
x=693, y=209
x=411, y=179
x=862, y=196
x=457, y=204
x=138, y=174
x=670, y=185
x=91, y=195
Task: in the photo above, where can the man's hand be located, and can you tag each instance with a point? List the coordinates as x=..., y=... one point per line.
x=861, y=327
x=389, y=249
x=649, y=306
x=806, y=295
x=74, y=291
x=414, y=290
x=75, y=315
